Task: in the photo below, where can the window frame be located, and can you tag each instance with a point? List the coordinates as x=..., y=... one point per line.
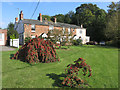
x=32, y=27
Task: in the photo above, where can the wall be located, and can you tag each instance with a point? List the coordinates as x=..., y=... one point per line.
x=5, y=35
x=39, y=29
x=20, y=29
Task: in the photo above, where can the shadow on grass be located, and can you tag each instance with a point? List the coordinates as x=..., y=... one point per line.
x=11, y=55
x=58, y=79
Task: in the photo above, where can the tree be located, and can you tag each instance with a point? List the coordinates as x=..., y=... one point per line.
x=61, y=36
x=60, y=18
x=112, y=30
x=47, y=17
x=11, y=33
x=86, y=13
x=93, y=18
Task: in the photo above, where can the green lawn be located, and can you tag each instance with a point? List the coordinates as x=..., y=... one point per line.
x=103, y=61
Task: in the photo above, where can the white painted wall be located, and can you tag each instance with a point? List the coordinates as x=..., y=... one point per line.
x=81, y=32
x=2, y=39
x=87, y=39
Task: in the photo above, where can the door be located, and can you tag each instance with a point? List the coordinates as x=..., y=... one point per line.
x=2, y=41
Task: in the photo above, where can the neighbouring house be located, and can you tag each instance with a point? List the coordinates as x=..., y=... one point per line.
x=31, y=28
x=3, y=37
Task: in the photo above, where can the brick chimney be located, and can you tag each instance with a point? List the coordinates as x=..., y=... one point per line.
x=55, y=19
x=16, y=19
x=40, y=17
x=21, y=15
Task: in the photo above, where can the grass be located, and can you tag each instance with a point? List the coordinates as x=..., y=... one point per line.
x=103, y=61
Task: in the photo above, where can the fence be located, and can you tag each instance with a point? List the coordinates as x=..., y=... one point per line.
x=14, y=42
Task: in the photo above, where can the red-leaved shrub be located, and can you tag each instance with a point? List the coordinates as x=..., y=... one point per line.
x=72, y=79
x=37, y=50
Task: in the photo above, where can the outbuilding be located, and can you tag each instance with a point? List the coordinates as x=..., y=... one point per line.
x=3, y=37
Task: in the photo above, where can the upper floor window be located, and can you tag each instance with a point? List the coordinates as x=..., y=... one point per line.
x=51, y=27
x=33, y=28
x=73, y=30
x=81, y=31
x=63, y=29
x=69, y=31
x=0, y=35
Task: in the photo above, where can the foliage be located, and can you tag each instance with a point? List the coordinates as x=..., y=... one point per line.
x=112, y=30
x=11, y=32
x=37, y=50
x=61, y=36
x=72, y=79
x=47, y=17
x=60, y=18
x=77, y=42
x=27, y=39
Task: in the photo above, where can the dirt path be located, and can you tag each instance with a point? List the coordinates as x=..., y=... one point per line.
x=6, y=48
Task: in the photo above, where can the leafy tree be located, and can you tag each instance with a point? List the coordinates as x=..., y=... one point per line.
x=47, y=17
x=86, y=13
x=60, y=18
x=67, y=19
x=61, y=36
x=112, y=30
x=93, y=18
x=11, y=33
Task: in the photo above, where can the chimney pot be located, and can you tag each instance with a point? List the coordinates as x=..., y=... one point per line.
x=40, y=17
x=21, y=15
x=16, y=19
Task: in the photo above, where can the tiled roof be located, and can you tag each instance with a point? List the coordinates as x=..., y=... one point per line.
x=47, y=23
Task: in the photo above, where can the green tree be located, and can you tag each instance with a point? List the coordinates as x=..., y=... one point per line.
x=112, y=30
x=47, y=17
x=60, y=18
x=93, y=18
x=11, y=33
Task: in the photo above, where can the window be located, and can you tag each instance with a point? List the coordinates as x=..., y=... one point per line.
x=73, y=30
x=69, y=30
x=81, y=31
x=33, y=28
x=63, y=29
x=51, y=27
x=0, y=35
x=33, y=36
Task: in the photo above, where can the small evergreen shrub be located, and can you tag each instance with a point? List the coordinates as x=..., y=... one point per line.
x=72, y=80
x=77, y=42
x=37, y=50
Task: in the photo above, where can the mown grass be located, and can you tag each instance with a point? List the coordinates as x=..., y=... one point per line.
x=103, y=61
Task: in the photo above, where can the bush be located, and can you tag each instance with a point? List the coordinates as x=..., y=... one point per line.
x=72, y=80
x=37, y=50
x=27, y=39
x=77, y=42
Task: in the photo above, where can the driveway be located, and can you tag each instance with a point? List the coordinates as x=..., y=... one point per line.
x=6, y=48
